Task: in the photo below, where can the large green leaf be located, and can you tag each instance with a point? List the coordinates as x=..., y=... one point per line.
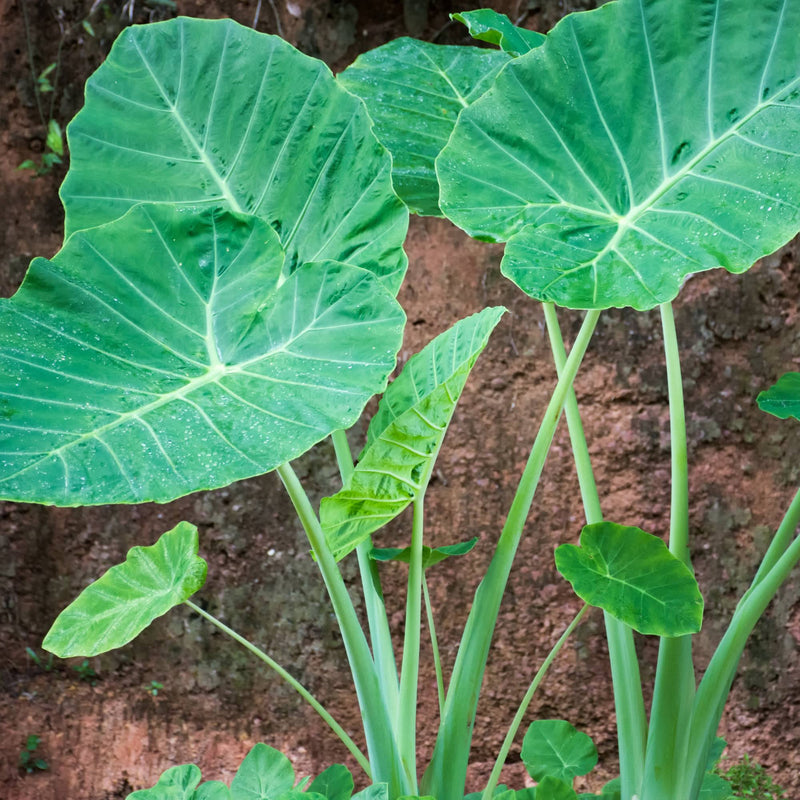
x=117, y=607
x=633, y=576
x=492, y=26
x=168, y=352
x=414, y=92
x=644, y=141
x=265, y=774
x=404, y=436
x=555, y=748
x=782, y=400
x=203, y=112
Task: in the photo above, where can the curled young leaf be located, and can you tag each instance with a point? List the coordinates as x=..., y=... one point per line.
x=491, y=26
x=117, y=607
x=404, y=436
x=430, y=555
x=633, y=576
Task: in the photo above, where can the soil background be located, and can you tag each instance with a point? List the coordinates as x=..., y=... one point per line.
x=103, y=737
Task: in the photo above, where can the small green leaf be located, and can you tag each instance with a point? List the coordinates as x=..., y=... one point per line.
x=212, y=790
x=430, y=555
x=496, y=28
x=176, y=783
x=414, y=92
x=715, y=753
x=378, y=791
x=264, y=774
x=118, y=606
x=87, y=26
x=553, y=748
x=334, y=783
x=633, y=576
x=404, y=436
x=714, y=787
x=550, y=788
x=55, y=139
x=782, y=400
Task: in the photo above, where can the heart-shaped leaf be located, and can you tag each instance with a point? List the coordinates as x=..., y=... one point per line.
x=550, y=788
x=414, y=92
x=633, y=576
x=202, y=112
x=117, y=607
x=554, y=748
x=335, y=783
x=169, y=352
x=404, y=436
x=212, y=790
x=491, y=26
x=430, y=555
x=643, y=142
x=176, y=783
x=264, y=774
x=782, y=400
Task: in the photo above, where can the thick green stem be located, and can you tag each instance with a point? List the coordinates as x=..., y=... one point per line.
x=675, y=682
x=628, y=699
x=293, y=682
x=409, y=674
x=379, y=634
x=709, y=702
x=381, y=745
x=446, y=774
x=437, y=661
x=488, y=792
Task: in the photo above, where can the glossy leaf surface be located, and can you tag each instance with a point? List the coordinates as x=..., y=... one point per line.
x=430, y=555
x=414, y=91
x=404, y=436
x=554, y=748
x=633, y=576
x=208, y=113
x=643, y=142
x=169, y=352
x=264, y=774
x=491, y=26
x=782, y=400
x=117, y=607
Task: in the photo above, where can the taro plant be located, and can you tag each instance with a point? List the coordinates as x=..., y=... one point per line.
x=217, y=322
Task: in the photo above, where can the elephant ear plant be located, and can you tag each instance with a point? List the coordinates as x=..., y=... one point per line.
x=225, y=299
